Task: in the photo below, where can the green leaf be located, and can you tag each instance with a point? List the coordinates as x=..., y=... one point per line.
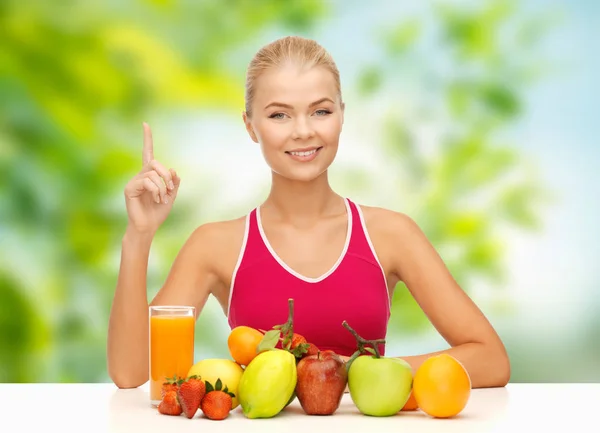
x=370, y=80
x=218, y=385
x=269, y=341
x=402, y=37
x=501, y=99
x=299, y=350
x=209, y=386
x=227, y=391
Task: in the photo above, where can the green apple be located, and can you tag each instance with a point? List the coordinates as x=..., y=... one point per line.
x=379, y=386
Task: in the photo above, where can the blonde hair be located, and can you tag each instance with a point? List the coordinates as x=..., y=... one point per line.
x=306, y=53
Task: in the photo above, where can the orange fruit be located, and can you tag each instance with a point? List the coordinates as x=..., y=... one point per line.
x=242, y=343
x=411, y=403
x=442, y=386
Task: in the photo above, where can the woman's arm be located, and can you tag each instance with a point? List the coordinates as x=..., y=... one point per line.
x=473, y=340
x=188, y=283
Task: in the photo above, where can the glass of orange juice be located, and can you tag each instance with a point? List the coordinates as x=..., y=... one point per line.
x=171, y=345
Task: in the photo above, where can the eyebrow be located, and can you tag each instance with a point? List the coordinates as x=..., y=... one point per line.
x=312, y=104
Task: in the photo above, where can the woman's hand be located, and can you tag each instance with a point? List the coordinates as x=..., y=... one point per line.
x=149, y=196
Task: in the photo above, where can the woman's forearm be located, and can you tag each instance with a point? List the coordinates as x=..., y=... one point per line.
x=487, y=366
x=127, y=349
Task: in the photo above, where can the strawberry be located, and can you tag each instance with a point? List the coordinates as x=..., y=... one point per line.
x=190, y=394
x=217, y=402
x=312, y=350
x=298, y=346
x=171, y=384
x=297, y=340
x=216, y=405
x=169, y=404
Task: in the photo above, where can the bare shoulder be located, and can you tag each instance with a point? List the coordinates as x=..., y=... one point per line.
x=395, y=236
x=204, y=264
x=217, y=230
x=388, y=222
x=218, y=237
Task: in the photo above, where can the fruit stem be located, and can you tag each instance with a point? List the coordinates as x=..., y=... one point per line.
x=291, y=315
x=362, y=342
x=288, y=328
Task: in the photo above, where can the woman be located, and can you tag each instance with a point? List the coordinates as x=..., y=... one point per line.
x=337, y=259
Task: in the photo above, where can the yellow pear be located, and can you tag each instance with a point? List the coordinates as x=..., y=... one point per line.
x=227, y=370
x=268, y=384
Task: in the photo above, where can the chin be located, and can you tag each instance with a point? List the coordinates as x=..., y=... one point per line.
x=301, y=175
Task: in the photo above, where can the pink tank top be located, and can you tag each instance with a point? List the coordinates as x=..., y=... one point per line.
x=354, y=289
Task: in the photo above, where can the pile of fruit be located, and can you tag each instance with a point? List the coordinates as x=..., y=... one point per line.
x=188, y=395
x=271, y=368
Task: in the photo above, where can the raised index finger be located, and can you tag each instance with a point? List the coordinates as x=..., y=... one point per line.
x=148, y=151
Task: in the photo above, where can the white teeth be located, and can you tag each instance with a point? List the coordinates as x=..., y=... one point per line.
x=303, y=153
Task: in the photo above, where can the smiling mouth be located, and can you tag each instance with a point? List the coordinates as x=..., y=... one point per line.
x=305, y=153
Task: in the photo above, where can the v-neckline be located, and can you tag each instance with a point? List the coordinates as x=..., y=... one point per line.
x=298, y=275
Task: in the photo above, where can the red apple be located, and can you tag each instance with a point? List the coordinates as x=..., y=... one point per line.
x=322, y=379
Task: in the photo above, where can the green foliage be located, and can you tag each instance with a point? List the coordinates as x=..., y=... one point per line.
x=22, y=333
x=468, y=183
x=77, y=79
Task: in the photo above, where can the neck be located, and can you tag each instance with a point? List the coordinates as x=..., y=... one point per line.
x=298, y=200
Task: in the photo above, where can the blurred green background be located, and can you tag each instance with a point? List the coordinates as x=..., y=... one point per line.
x=475, y=118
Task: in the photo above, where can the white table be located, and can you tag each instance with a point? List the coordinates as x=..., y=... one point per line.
x=102, y=407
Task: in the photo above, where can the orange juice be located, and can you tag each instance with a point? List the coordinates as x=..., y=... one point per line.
x=171, y=350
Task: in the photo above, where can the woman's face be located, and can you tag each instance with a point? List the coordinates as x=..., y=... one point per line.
x=297, y=118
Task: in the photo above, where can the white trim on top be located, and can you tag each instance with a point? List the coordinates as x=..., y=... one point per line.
x=297, y=274
x=366, y=232
x=239, y=262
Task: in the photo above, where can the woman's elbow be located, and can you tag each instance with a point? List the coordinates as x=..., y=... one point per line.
x=125, y=380
x=127, y=383
x=502, y=368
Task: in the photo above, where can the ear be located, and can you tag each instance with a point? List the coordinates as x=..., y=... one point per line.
x=249, y=127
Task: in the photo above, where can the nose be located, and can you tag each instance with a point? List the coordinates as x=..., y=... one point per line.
x=302, y=129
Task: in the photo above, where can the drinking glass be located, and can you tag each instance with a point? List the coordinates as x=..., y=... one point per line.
x=171, y=345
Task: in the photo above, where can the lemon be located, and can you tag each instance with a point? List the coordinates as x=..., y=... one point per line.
x=227, y=370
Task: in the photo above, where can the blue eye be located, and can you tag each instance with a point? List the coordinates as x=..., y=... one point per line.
x=324, y=112
x=276, y=116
